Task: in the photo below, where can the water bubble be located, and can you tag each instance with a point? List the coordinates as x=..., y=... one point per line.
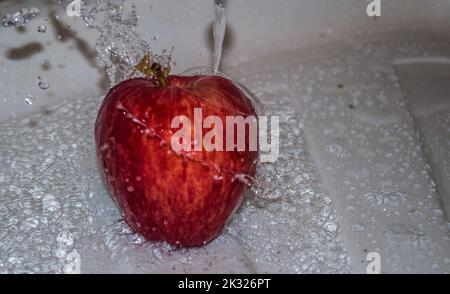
x=65, y=238
x=60, y=252
x=331, y=227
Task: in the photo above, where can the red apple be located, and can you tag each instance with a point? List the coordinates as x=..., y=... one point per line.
x=185, y=198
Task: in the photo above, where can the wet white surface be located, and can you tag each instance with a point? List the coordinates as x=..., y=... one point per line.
x=365, y=139
x=356, y=174
x=54, y=202
x=425, y=82
x=369, y=152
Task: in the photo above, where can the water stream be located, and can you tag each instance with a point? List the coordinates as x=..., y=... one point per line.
x=219, y=32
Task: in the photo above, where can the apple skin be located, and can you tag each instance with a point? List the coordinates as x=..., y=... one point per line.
x=185, y=198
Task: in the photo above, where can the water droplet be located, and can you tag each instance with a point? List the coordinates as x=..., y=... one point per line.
x=60, y=252
x=65, y=238
x=416, y=216
x=331, y=227
x=42, y=29
x=384, y=199
x=438, y=212
x=336, y=150
x=438, y=215
x=401, y=234
x=217, y=177
x=358, y=227
x=44, y=85
x=157, y=254
x=29, y=99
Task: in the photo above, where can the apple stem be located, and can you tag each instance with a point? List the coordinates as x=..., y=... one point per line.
x=154, y=69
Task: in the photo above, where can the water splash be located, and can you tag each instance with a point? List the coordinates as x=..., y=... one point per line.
x=118, y=45
x=20, y=18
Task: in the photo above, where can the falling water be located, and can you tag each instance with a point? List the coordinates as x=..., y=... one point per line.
x=220, y=24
